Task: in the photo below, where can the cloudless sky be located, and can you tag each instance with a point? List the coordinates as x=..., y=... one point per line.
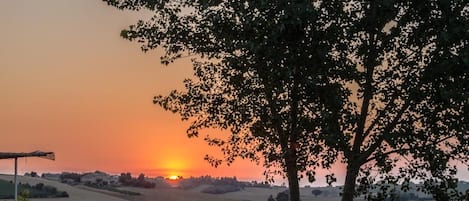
x=71, y=85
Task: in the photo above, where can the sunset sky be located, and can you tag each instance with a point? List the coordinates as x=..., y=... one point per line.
x=71, y=85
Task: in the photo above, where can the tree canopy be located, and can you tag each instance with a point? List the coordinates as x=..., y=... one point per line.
x=406, y=110
x=259, y=73
x=299, y=83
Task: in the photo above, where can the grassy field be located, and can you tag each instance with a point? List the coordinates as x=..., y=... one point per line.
x=85, y=193
x=247, y=194
x=40, y=190
x=76, y=194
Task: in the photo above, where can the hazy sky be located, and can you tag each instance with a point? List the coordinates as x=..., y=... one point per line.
x=71, y=85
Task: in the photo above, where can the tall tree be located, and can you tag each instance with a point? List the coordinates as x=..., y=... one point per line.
x=381, y=82
x=406, y=114
x=259, y=73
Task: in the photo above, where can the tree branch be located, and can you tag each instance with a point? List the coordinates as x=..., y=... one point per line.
x=411, y=148
x=367, y=96
x=381, y=115
x=388, y=128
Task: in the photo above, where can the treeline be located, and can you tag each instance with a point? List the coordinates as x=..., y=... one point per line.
x=75, y=177
x=126, y=179
x=38, y=190
x=103, y=180
x=193, y=182
x=281, y=196
x=218, y=185
x=41, y=190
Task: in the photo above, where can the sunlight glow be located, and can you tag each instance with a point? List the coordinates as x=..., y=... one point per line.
x=173, y=177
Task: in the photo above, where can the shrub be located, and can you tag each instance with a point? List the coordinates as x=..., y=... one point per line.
x=316, y=192
x=63, y=194
x=283, y=196
x=271, y=198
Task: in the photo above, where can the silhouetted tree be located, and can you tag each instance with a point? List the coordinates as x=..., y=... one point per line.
x=405, y=67
x=378, y=81
x=73, y=176
x=141, y=177
x=283, y=196
x=257, y=71
x=125, y=178
x=33, y=174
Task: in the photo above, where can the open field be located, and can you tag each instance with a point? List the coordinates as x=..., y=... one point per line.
x=76, y=194
x=83, y=193
x=248, y=194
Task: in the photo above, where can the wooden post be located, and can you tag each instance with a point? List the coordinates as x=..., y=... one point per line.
x=16, y=182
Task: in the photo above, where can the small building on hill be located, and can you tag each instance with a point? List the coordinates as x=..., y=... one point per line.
x=99, y=177
x=51, y=176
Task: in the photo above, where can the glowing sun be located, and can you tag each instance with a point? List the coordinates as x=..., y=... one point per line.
x=173, y=177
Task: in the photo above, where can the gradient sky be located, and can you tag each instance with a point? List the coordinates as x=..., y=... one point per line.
x=71, y=85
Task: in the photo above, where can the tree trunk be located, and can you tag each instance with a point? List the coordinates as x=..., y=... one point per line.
x=350, y=183
x=293, y=184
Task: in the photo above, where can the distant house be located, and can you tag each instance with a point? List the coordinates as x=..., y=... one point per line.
x=69, y=181
x=97, y=177
x=51, y=176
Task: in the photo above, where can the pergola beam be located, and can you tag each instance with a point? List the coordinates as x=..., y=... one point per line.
x=9, y=155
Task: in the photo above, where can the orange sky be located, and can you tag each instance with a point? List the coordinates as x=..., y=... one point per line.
x=71, y=85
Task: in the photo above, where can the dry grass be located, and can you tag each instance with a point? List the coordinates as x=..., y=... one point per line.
x=83, y=193
x=248, y=194
x=76, y=194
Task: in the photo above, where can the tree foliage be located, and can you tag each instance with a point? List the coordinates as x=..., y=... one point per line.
x=126, y=179
x=259, y=73
x=298, y=83
x=283, y=196
x=408, y=96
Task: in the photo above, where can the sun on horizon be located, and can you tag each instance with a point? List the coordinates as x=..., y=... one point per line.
x=174, y=177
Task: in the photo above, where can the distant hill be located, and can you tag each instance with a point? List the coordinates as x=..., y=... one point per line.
x=463, y=186
x=75, y=192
